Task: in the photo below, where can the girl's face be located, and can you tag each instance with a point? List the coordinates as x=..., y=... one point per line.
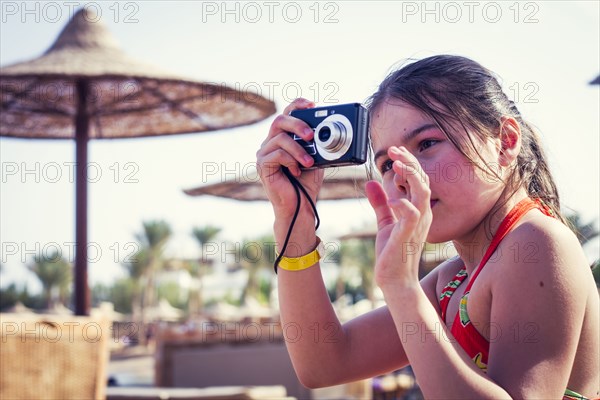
x=461, y=194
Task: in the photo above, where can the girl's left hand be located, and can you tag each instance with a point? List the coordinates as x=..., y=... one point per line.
x=403, y=221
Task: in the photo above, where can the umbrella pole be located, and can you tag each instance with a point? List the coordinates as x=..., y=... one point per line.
x=82, y=296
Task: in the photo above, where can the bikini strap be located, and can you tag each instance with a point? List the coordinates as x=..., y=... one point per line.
x=449, y=290
x=518, y=211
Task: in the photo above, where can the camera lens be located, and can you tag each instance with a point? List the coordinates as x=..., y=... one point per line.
x=324, y=134
x=333, y=137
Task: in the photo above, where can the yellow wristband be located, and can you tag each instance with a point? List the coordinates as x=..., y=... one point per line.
x=303, y=262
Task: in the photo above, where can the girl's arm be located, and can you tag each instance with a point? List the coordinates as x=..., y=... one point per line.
x=323, y=351
x=443, y=368
x=537, y=311
x=326, y=353
x=538, y=308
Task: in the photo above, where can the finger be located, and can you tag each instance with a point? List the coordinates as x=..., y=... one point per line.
x=298, y=104
x=288, y=124
x=417, y=181
x=402, y=154
x=417, y=188
x=408, y=215
x=379, y=201
x=403, y=234
x=285, y=142
x=270, y=164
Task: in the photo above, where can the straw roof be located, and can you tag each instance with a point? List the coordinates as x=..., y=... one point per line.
x=339, y=183
x=127, y=98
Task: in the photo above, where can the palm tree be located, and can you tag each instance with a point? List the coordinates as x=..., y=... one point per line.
x=585, y=232
x=359, y=253
x=203, y=236
x=256, y=255
x=55, y=274
x=596, y=272
x=136, y=267
x=148, y=261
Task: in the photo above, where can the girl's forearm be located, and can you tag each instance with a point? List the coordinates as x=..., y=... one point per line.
x=312, y=331
x=443, y=368
x=313, y=334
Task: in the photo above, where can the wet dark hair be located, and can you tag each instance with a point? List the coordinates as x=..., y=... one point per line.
x=459, y=93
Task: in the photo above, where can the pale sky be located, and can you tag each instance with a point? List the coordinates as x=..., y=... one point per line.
x=547, y=52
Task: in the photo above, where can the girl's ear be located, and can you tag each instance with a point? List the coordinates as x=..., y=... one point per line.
x=510, y=141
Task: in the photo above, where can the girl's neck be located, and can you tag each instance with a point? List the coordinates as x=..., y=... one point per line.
x=472, y=246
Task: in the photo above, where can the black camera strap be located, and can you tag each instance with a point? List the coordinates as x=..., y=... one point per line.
x=297, y=188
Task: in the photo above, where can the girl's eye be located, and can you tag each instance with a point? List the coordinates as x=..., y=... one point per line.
x=386, y=166
x=425, y=144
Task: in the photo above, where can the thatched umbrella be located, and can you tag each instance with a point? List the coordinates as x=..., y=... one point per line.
x=338, y=184
x=85, y=87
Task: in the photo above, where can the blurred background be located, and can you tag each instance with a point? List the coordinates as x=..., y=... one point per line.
x=180, y=276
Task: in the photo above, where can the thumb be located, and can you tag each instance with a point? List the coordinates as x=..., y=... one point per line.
x=379, y=202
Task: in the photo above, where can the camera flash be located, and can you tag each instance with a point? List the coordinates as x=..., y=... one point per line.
x=320, y=113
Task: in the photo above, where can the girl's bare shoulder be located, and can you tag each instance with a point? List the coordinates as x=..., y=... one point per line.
x=543, y=247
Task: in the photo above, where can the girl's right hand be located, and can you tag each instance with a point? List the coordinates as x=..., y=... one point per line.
x=280, y=150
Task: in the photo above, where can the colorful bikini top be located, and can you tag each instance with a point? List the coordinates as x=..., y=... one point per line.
x=465, y=333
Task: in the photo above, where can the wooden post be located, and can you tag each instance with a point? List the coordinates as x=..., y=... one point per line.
x=82, y=295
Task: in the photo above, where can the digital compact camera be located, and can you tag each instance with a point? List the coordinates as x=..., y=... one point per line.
x=341, y=134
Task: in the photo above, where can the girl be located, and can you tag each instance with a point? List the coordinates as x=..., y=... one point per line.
x=515, y=315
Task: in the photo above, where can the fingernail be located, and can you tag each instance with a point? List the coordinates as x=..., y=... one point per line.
x=307, y=131
x=308, y=160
